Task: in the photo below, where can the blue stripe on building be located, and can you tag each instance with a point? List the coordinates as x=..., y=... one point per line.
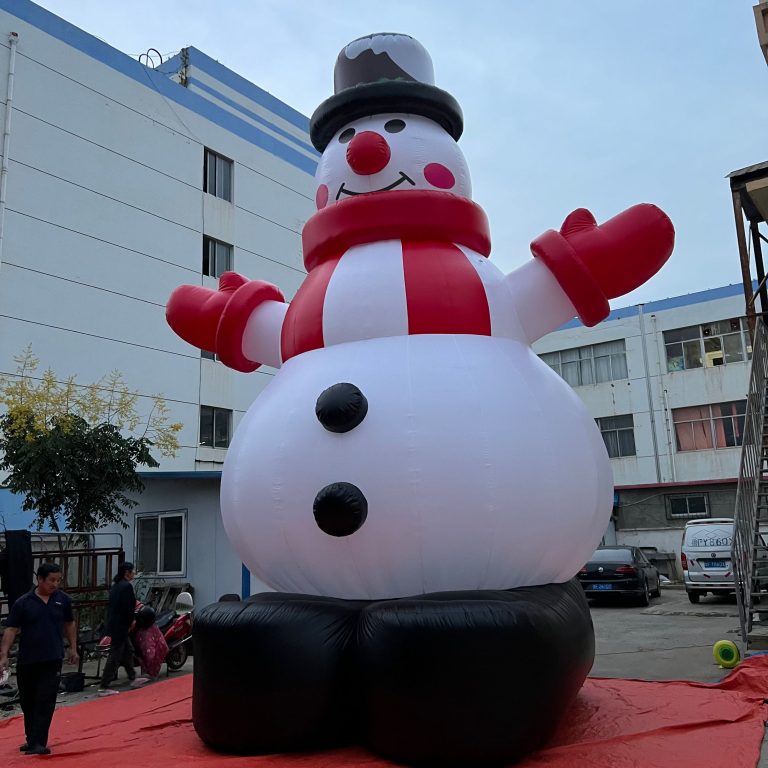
x=252, y=91
x=674, y=302
x=250, y=113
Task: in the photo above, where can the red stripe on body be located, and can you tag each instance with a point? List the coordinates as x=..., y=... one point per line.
x=443, y=291
x=303, y=325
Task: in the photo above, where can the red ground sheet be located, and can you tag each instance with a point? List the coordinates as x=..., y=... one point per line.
x=614, y=723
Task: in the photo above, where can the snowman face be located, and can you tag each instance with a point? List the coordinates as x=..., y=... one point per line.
x=388, y=153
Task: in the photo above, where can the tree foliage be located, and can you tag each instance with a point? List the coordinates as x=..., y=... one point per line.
x=74, y=450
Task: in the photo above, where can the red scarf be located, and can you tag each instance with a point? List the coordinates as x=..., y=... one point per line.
x=429, y=224
x=416, y=215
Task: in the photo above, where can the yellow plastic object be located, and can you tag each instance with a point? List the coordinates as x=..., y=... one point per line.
x=726, y=654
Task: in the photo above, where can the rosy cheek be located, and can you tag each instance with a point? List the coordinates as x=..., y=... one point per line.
x=439, y=176
x=321, y=197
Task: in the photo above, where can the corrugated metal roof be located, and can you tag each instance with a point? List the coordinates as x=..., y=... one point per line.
x=749, y=169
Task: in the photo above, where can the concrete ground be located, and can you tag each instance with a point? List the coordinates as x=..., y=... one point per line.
x=670, y=640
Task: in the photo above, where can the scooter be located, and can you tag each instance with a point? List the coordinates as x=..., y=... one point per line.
x=176, y=626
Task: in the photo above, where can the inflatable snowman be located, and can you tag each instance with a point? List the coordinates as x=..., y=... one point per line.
x=418, y=487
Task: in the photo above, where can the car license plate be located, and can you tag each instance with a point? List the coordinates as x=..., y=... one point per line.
x=715, y=563
x=602, y=586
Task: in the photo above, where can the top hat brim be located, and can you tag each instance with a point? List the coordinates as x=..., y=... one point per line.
x=397, y=96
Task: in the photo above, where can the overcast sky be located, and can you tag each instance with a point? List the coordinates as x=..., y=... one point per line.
x=593, y=103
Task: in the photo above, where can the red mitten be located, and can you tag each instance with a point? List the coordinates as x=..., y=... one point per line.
x=595, y=263
x=215, y=320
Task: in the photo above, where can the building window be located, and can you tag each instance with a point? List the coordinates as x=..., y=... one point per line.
x=215, y=426
x=217, y=175
x=703, y=427
x=160, y=543
x=705, y=346
x=590, y=365
x=619, y=435
x=688, y=505
x=217, y=257
x=208, y=355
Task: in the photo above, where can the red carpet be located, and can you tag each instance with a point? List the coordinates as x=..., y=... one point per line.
x=615, y=723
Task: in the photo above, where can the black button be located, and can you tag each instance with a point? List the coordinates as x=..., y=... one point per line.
x=341, y=407
x=340, y=509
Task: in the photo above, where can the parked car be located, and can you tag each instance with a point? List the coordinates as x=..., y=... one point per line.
x=705, y=556
x=620, y=571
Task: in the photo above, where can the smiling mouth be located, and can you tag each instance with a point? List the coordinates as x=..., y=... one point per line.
x=403, y=177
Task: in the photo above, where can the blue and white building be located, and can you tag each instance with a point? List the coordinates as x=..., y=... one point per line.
x=121, y=182
x=667, y=383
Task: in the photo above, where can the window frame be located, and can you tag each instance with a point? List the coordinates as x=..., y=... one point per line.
x=712, y=422
x=703, y=334
x=227, y=412
x=159, y=516
x=219, y=162
x=584, y=359
x=669, y=498
x=211, y=256
x=604, y=429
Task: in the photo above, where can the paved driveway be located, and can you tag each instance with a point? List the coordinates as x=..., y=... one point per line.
x=670, y=640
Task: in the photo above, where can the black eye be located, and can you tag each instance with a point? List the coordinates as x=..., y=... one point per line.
x=346, y=135
x=394, y=126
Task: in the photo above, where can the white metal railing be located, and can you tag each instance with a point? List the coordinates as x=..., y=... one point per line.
x=752, y=471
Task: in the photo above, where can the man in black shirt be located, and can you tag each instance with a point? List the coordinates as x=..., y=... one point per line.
x=121, y=614
x=43, y=615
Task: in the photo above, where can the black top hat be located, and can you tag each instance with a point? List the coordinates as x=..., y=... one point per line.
x=383, y=73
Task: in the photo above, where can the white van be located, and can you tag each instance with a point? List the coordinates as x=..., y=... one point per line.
x=706, y=557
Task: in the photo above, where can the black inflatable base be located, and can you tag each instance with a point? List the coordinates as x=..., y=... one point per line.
x=449, y=678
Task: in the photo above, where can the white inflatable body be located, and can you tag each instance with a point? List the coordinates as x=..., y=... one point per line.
x=481, y=467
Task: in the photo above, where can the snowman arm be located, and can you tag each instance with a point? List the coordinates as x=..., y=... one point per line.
x=261, y=337
x=230, y=321
x=590, y=263
x=541, y=304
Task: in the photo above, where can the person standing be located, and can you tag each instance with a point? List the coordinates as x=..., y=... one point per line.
x=44, y=616
x=120, y=618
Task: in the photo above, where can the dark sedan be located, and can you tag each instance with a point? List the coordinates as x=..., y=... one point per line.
x=620, y=571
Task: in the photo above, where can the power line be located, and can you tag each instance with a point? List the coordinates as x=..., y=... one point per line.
x=102, y=240
x=87, y=285
x=105, y=195
x=16, y=375
x=97, y=336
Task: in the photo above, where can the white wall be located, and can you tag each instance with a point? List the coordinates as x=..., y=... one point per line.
x=211, y=566
x=105, y=216
x=667, y=390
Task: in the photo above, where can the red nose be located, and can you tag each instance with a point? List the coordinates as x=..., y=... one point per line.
x=368, y=153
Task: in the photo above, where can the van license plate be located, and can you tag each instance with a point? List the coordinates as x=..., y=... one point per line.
x=715, y=563
x=602, y=586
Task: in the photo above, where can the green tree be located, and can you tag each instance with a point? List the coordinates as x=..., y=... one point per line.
x=74, y=450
